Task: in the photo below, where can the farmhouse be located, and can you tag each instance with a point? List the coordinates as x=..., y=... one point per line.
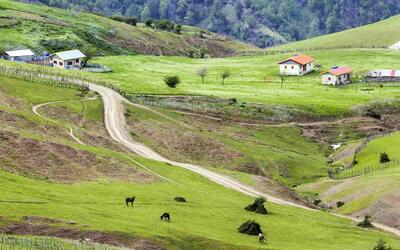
x=383, y=75
x=297, y=66
x=336, y=76
x=71, y=59
x=19, y=55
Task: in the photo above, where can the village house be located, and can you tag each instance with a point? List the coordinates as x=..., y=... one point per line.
x=71, y=59
x=25, y=55
x=336, y=76
x=297, y=66
x=395, y=46
x=383, y=75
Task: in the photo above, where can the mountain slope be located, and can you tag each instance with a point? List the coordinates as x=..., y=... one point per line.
x=263, y=23
x=208, y=219
x=377, y=35
x=44, y=28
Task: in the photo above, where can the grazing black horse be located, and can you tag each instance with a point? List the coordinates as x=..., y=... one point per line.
x=166, y=217
x=130, y=200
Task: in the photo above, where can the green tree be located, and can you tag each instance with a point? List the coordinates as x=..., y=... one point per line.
x=225, y=75
x=381, y=245
x=172, y=81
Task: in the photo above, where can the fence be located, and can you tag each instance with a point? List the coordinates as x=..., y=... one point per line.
x=353, y=172
x=8, y=242
x=275, y=52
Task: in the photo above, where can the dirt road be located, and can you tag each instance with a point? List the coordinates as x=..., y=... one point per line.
x=116, y=126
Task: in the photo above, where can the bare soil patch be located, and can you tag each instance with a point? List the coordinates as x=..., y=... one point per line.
x=385, y=211
x=41, y=228
x=60, y=163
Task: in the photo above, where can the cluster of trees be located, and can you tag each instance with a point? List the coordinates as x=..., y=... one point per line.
x=164, y=24
x=263, y=23
x=174, y=80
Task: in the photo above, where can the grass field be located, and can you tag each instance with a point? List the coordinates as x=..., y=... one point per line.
x=208, y=220
x=280, y=153
x=255, y=79
x=379, y=35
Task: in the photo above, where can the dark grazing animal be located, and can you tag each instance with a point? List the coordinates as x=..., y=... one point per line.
x=166, y=217
x=130, y=200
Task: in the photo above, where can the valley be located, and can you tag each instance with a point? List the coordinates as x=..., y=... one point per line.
x=75, y=143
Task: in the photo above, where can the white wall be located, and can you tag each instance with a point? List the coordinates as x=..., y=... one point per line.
x=293, y=69
x=329, y=79
x=290, y=69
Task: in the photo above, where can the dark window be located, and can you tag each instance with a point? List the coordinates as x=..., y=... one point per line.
x=292, y=67
x=61, y=64
x=77, y=60
x=69, y=63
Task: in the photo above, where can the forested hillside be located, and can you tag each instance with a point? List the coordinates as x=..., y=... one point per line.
x=263, y=23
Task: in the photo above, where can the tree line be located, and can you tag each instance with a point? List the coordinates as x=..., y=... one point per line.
x=260, y=22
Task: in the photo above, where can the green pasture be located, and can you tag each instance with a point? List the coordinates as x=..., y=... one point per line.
x=255, y=79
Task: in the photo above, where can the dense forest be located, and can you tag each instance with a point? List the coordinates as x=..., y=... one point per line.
x=261, y=22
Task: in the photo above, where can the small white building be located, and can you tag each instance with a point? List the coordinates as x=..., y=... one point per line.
x=395, y=46
x=25, y=55
x=383, y=75
x=296, y=66
x=337, y=76
x=71, y=59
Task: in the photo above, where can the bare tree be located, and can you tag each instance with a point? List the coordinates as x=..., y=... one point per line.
x=202, y=73
x=225, y=75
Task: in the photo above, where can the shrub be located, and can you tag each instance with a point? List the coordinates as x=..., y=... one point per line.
x=149, y=22
x=164, y=24
x=172, y=81
x=180, y=199
x=366, y=222
x=381, y=245
x=257, y=206
x=340, y=204
x=129, y=20
x=384, y=158
x=250, y=228
x=178, y=29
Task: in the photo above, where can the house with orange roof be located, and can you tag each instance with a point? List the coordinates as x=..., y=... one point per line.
x=297, y=65
x=336, y=76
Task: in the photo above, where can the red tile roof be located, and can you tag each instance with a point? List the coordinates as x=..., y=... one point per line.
x=339, y=71
x=300, y=59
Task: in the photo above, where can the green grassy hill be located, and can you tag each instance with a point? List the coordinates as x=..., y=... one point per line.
x=89, y=199
x=376, y=193
x=377, y=35
x=43, y=28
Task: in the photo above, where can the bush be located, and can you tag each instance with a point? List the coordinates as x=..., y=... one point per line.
x=257, y=206
x=384, y=158
x=340, y=204
x=149, y=22
x=366, y=222
x=129, y=20
x=180, y=199
x=164, y=24
x=250, y=228
x=172, y=81
x=381, y=245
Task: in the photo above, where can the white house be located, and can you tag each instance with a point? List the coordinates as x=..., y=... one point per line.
x=25, y=55
x=296, y=66
x=337, y=76
x=383, y=75
x=71, y=59
x=395, y=46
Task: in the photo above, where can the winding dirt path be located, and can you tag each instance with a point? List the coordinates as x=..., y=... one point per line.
x=70, y=131
x=116, y=126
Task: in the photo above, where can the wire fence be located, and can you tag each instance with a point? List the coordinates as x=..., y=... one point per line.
x=357, y=171
x=10, y=242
